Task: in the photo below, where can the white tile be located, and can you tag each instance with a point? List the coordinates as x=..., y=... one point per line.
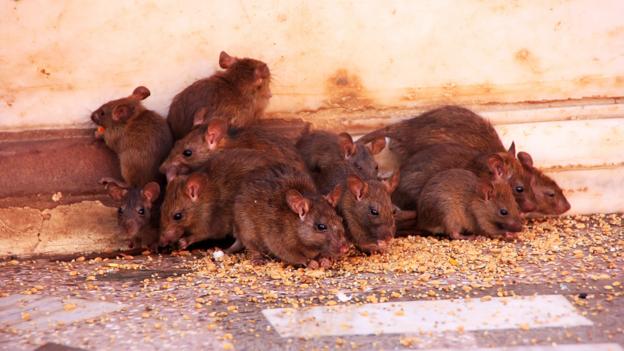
x=47, y=311
x=427, y=316
x=569, y=347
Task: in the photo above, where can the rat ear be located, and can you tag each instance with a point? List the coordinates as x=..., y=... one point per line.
x=496, y=165
x=297, y=203
x=392, y=183
x=261, y=73
x=485, y=189
x=140, y=93
x=377, y=145
x=357, y=186
x=334, y=196
x=117, y=190
x=122, y=112
x=226, y=61
x=199, y=117
x=216, y=130
x=347, y=146
x=512, y=149
x=150, y=192
x=525, y=159
x=193, y=186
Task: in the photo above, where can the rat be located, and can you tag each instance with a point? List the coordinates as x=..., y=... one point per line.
x=458, y=126
x=444, y=125
x=459, y=204
x=549, y=196
x=368, y=212
x=141, y=138
x=421, y=166
x=190, y=152
x=279, y=213
x=365, y=205
x=240, y=93
x=139, y=211
x=322, y=149
x=199, y=206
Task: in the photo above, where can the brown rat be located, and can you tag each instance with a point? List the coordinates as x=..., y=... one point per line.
x=139, y=211
x=321, y=149
x=458, y=126
x=444, y=125
x=199, y=206
x=368, y=212
x=190, y=152
x=421, y=166
x=140, y=137
x=456, y=202
x=549, y=196
x=241, y=93
x=365, y=204
x=279, y=213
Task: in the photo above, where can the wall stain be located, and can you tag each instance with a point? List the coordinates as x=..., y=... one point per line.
x=528, y=60
x=345, y=89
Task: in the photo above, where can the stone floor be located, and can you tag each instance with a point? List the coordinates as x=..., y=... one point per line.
x=561, y=287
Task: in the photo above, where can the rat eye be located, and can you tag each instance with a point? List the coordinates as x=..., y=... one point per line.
x=503, y=212
x=373, y=211
x=519, y=189
x=187, y=152
x=141, y=211
x=102, y=113
x=321, y=227
x=120, y=210
x=177, y=216
x=551, y=193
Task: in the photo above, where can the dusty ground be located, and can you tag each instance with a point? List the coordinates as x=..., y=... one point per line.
x=200, y=300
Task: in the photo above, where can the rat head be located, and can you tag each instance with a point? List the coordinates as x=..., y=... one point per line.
x=368, y=212
x=495, y=209
x=319, y=232
x=134, y=212
x=182, y=207
x=504, y=166
x=549, y=196
x=251, y=76
x=120, y=110
x=195, y=148
x=360, y=155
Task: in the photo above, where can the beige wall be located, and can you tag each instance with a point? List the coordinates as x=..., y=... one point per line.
x=355, y=63
x=66, y=57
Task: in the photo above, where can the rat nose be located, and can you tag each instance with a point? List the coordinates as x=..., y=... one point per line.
x=344, y=248
x=385, y=233
x=95, y=118
x=515, y=226
x=564, y=206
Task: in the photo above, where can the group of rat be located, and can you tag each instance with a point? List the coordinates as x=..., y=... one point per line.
x=215, y=169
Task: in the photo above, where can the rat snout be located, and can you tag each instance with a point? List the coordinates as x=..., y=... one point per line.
x=95, y=117
x=131, y=228
x=563, y=205
x=514, y=226
x=171, y=172
x=385, y=233
x=169, y=236
x=382, y=245
x=527, y=206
